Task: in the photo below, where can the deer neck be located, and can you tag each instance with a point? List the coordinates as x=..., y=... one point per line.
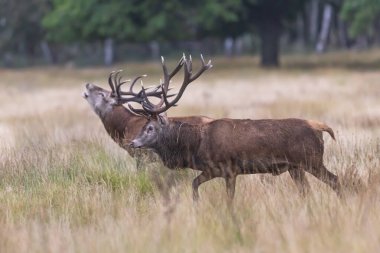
x=178, y=144
x=119, y=121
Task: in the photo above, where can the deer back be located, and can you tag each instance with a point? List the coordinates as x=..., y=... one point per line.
x=290, y=140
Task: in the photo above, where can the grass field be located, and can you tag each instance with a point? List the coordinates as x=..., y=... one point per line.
x=65, y=186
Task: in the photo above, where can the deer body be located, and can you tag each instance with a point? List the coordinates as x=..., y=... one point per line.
x=263, y=146
x=229, y=147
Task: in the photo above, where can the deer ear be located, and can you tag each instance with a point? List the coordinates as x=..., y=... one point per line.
x=163, y=119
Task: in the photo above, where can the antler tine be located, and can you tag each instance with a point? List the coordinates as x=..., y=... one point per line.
x=151, y=108
x=147, y=105
x=164, y=86
x=131, y=92
x=190, y=66
x=116, y=76
x=118, y=86
x=110, y=82
x=186, y=81
x=154, y=92
x=134, y=82
x=178, y=67
x=167, y=76
x=138, y=112
x=115, y=82
x=118, y=83
x=150, y=104
x=119, y=80
x=165, y=83
x=203, y=68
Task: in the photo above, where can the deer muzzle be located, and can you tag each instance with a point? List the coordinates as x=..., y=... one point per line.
x=135, y=144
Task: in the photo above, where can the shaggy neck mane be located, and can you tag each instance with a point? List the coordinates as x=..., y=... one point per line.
x=177, y=144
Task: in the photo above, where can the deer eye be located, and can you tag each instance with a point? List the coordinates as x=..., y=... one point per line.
x=150, y=129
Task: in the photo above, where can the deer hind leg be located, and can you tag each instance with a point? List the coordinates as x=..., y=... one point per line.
x=200, y=179
x=323, y=174
x=299, y=178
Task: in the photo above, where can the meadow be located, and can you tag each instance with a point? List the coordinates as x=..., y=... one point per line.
x=65, y=186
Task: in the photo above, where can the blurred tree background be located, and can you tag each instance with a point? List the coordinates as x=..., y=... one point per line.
x=91, y=32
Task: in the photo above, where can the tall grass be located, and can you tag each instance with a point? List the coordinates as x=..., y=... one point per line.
x=66, y=187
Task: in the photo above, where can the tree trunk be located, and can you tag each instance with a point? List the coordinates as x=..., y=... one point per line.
x=46, y=51
x=154, y=47
x=325, y=30
x=306, y=25
x=314, y=11
x=376, y=35
x=239, y=45
x=228, y=46
x=343, y=34
x=300, y=28
x=108, y=51
x=269, y=32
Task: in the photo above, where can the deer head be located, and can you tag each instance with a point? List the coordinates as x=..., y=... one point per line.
x=103, y=101
x=158, y=121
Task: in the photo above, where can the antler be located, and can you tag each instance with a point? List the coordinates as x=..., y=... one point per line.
x=154, y=109
x=114, y=80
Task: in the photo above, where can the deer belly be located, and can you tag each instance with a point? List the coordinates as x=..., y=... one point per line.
x=257, y=166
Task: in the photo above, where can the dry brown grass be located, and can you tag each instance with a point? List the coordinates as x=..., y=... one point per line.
x=66, y=187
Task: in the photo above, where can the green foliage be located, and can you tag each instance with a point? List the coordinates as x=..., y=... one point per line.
x=72, y=20
x=361, y=14
x=220, y=18
x=20, y=22
x=143, y=184
x=283, y=11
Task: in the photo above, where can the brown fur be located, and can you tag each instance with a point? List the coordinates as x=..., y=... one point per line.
x=120, y=123
x=123, y=126
x=230, y=147
x=321, y=127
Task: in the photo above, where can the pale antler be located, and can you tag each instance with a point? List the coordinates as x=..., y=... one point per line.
x=154, y=109
x=114, y=81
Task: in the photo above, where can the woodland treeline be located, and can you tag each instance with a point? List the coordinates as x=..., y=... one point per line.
x=104, y=31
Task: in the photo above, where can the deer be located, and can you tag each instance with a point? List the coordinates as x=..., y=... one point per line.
x=228, y=147
x=121, y=124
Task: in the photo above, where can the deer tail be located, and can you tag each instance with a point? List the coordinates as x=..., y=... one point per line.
x=321, y=127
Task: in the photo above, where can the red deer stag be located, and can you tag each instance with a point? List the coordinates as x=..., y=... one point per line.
x=121, y=124
x=230, y=147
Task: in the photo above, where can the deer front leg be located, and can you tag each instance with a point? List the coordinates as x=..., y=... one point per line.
x=139, y=159
x=230, y=184
x=200, y=179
